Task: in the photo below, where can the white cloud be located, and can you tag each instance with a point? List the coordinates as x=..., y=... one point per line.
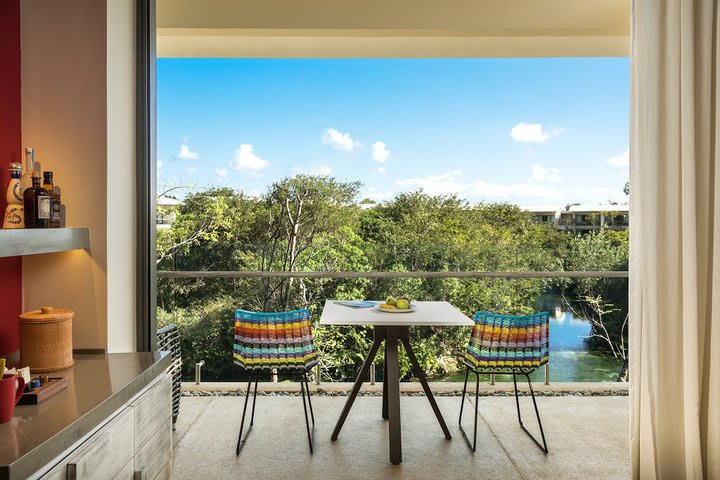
x=246, y=161
x=380, y=153
x=381, y=170
x=159, y=165
x=186, y=154
x=221, y=172
x=452, y=182
x=191, y=170
x=621, y=160
x=528, y=193
x=545, y=175
x=531, y=133
x=442, y=184
x=340, y=140
x=324, y=170
x=377, y=195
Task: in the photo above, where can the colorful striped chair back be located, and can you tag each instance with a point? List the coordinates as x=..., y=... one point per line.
x=509, y=342
x=281, y=340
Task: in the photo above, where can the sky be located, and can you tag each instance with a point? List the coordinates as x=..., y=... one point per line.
x=535, y=132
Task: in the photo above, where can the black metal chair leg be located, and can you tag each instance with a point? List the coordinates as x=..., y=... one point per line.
x=517, y=401
x=462, y=402
x=307, y=389
x=542, y=446
x=472, y=445
x=252, y=416
x=537, y=414
x=241, y=440
x=477, y=396
x=307, y=422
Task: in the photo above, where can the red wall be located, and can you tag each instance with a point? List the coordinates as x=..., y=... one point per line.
x=10, y=151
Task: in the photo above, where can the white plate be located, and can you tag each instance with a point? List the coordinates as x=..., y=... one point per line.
x=407, y=310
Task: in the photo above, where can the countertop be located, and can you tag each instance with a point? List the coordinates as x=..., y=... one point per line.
x=98, y=385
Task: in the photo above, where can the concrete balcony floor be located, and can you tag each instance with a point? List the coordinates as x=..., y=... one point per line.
x=587, y=438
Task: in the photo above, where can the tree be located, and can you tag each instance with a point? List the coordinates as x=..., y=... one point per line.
x=308, y=223
x=603, y=301
x=213, y=230
x=300, y=210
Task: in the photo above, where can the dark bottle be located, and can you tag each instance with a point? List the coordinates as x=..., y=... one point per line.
x=36, y=203
x=54, y=221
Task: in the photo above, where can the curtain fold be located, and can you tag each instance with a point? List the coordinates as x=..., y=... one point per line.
x=675, y=240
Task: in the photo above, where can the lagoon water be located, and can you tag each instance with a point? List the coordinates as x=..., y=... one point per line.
x=570, y=358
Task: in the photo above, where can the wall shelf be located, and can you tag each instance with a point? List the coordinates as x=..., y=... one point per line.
x=32, y=241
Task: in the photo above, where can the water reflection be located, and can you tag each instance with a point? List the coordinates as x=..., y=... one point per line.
x=571, y=359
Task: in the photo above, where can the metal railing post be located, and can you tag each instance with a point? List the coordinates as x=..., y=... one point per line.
x=492, y=379
x=198, y=371
x=372, y=373
x=317, y=374
x=547, y=374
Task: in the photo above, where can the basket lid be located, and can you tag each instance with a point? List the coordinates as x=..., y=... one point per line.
x=47, y=315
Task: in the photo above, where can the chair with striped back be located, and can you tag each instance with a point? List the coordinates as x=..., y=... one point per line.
x=506, y=344
x=281, y=342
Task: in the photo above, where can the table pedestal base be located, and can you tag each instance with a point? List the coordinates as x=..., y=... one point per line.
x=392, y=336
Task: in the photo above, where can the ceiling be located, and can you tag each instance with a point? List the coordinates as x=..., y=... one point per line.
x=393, y=28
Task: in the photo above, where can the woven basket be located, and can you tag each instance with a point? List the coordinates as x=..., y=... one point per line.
x=46, y=339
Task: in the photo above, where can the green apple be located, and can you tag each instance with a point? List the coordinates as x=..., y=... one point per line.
x=391, y=301
x=402, y=304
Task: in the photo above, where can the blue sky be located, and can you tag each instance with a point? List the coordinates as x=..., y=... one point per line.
x=527, y=131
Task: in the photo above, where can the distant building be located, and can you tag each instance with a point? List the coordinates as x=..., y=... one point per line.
x=166, y=211
x=584, y=218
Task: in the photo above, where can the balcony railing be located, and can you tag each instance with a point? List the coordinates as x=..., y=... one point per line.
x=387, y=275
x=380, y=275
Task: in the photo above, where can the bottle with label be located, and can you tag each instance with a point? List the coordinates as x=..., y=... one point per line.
x=36, y=201
x=14, y=216
x=54, y=221
x=28, y=168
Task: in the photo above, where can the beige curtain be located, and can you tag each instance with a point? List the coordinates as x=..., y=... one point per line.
x=675, y=240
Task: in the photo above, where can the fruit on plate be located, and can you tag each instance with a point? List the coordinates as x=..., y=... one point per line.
x=402, y=303
x=390, y=301
x=387, y=306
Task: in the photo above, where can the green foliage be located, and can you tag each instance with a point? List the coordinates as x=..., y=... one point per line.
x=311, y=223
x=604, y=301
x=206, y=333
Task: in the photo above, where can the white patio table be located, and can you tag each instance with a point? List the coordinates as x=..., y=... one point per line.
x=393, y=328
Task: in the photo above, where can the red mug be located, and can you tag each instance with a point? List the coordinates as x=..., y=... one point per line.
x=9, y=395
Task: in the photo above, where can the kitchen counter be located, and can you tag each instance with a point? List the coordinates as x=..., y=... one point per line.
x=98, y=385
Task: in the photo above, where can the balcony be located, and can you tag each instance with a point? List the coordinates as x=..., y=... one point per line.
x=587, y=437
x=211, y=408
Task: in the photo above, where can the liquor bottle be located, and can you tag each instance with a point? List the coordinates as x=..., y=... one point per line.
x=14, y=216
x=54, y=221
x=36, y=201
x=28, y=169
x=14, y=195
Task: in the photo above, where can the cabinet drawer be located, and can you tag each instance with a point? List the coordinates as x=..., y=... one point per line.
x=106, y=452
x=166, y=472
x=152, y=410
x=153, y=456
x=127, y=472
x=58, y=472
